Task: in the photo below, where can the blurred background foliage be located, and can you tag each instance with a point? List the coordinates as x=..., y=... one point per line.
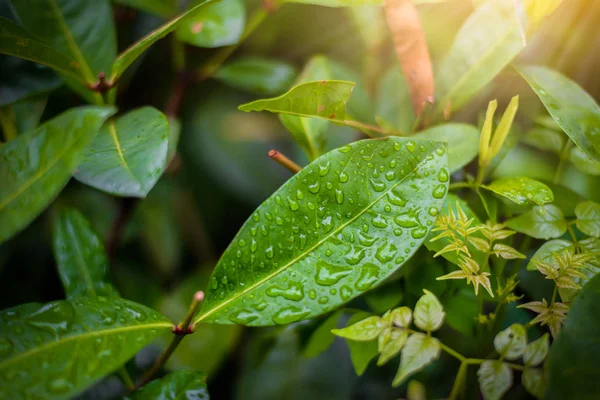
x=221, y=173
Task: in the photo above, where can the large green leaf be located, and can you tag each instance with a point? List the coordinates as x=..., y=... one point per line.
x=258, y=75
x=393, y=107
x=18, y=42
x=325, y=99
x=588, y=218
x=127, y=57
x=487, y=42
x=219, y=24
x=462, y=140
x=80, y=29
x=325, y=236
x=495, y=379
x=573, y=359
x=178, y=385
x=544, y=222
x=522, y=190
x=37, y=165
x=80, y=257
x=583, y=162
x=128, y=155
x=162, y=8
x=572, y=108
x=55, y=350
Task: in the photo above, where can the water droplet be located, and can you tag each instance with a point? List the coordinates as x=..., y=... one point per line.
x=243, y=317
x=261, y=306
x=433, y=211
x=256, y=216
x=293, y=204
x=59, y=385
x=345, y=149
x=343, y=177
x=405, y=221
x=323, y=300
x=377, y=186
x=366, y=240
x=355, y=256
x=339, y=196
x=390, y=175
x=6, y=346
x=299, y=194
x=379, y=222
x=314, y=187
x=443, y=175
x=328, y=274
x=327, y=223
x=386, y=253
x=411, y=146
x=294, y=291
x=324, y=169
x=289, y=315
x=439, y=191
x=269, y=252
x=440, y=151
x=369, y=274
x=312, y=293
x=396, y=199
x=419, y=232
x=345, y=292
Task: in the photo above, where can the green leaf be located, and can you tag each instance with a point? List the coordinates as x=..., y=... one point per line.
x=545, y=222
x=547, y=250
x=363, y=331
x=18, y=42
x=325, y=99
x=495, y=378
x=462, y=140
x=429, y=313
x=35, y=166
x=294, y=259
x=534, y=382
x=573, y=360
x=80, y=257
x=487, y=42
x=522, y=190
x=583, y=163
x=322, y=337
x=361, y=353
x=28, y=112
x=178, y=385
x=401, y=317
x=545, y=139
x=128, y=155
x=161, y=8
x=572, y=108
x=219, y=24
x=461, y=309
x=397, y=340
x=258, y=75
x=419, y=351
x=536, y=351
x=511, y=342
x=588, y=218
x=56, y=350
x=393, y=106
x=82, y=30
x=127, y=57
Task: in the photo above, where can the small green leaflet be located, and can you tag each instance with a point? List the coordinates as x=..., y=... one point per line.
x=429, y=313
x=511, y=342
x=572, y=108
x=82, y=339
x=218, y=24
x=36, y=165
x=178, y=385
x=419, y=351
x=536, y=351
x=361, y=353
x=588, y=218
x=325, y=99
x=258, y=75
x=495, y=379
x=522, y=190
x=80, y=257
x=128, y=155
x=545, y=222
x=295, y=258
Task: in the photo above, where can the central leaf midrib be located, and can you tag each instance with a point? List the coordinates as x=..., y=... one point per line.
x=113, y=133
x=86, y=335
x=309, y=251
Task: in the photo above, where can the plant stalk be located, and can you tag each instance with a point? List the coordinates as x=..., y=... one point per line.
x=284, y=161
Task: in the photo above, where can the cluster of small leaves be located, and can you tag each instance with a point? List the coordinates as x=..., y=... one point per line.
x=393, y=334
x=457, y=227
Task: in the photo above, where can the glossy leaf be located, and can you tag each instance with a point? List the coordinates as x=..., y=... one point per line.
x=583, y=162
x=534, y=382
x=511, y=342
x=322, y=337
x=361, y=353
x=546, y=251
x=81, y=30
x=393, y=108
x=462, y=140
x=80, y=257
x=495, y=378
x=37, y=165
x=258, y=75
x=363, y=331
x=66, y=346
x=545, y=139
x=18, y=42
x=325, y=99
x=419, y=351
x=572, y=108
x=573, y=360
x=219, y=24
x=128, y=155
x=588, y=218
x=28, y=112
x=545, y=222
x=178, y=385
x=162, y=8
x=522, y=190
x=536, y=351
x=396, y=342
x=316, y=266
x=487, y=42
x=127, y=57
x=429, y=313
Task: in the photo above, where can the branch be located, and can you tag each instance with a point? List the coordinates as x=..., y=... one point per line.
x=284, y=161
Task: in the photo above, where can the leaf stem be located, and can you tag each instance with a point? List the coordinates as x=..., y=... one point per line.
x=284, y=161
x=8, y=122
x=564, y=155
x=180, y=331
x=453, y=353
x=461, y=185
x=459, y=381
x=126, y=378
x=572, y=234
x=554, y=293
